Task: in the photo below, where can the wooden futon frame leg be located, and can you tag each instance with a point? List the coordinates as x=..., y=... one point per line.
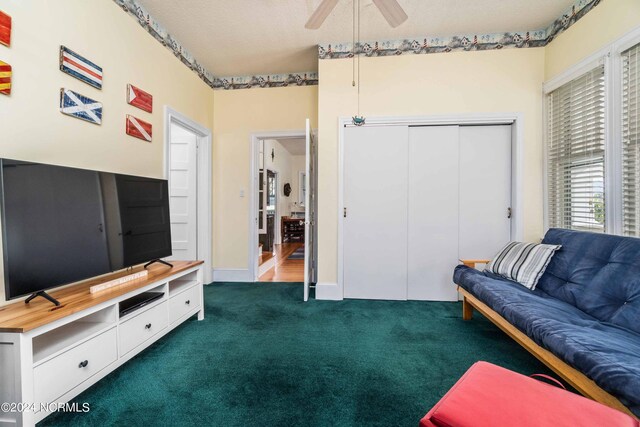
x=467, y=309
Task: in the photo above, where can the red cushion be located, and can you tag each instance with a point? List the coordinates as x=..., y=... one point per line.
x=488, y=395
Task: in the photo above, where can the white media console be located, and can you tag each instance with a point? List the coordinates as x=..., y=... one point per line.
x=51, y=354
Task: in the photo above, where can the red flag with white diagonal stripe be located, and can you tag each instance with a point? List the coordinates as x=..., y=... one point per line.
x=139, y=128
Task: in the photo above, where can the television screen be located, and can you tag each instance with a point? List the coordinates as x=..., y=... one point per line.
x=61, y=225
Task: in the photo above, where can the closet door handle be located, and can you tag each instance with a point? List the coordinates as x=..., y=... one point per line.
x=147, y=326
x=83, y=364
x=188, y=302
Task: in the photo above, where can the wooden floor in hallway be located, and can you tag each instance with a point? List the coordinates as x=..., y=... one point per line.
x=285, y=270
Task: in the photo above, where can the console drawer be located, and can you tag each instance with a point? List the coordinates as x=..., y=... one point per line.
x=183, y=303
x=140, y=328
x=57, y=376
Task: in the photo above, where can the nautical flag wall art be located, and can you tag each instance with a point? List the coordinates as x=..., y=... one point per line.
x=139, y=98
x=80, y=68
x=79, y=106
x=5, y=78
x=5, y=29
x=139, y=128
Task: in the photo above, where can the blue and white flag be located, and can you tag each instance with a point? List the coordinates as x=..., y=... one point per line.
x=79, y=106
x=80, y=67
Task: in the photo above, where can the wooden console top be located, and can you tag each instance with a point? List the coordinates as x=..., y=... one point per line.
x=21, y=317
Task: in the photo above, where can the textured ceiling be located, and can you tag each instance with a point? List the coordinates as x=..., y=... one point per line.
x=245, y=37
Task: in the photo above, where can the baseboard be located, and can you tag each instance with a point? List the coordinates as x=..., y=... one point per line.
x=267, y=266
x=329, y=291
x=232, y=275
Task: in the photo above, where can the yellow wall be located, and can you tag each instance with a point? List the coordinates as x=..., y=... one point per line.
x=465, y=82
x=604, y=24
x=31, y=125
x=238, y=114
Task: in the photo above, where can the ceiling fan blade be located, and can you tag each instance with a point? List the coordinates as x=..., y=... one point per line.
x=392, y=11
x=320, y=14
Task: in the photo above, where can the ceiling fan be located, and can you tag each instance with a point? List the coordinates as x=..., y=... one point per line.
x=390, y=9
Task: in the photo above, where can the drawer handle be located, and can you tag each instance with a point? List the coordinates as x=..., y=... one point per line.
x=147, y=326
x=188, y=302
x=83, y=364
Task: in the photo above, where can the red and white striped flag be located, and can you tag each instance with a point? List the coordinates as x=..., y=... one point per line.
x=80, y=68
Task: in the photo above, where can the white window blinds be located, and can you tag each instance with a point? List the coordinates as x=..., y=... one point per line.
x=631, y=141
x=575, y=153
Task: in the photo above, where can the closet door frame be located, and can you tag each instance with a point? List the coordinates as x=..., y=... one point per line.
x=336, y=292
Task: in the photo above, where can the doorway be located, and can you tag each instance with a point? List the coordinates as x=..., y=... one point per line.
x=278, y=231
x=188, y=170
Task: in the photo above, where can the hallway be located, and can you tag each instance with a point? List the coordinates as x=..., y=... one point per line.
x=285, y=270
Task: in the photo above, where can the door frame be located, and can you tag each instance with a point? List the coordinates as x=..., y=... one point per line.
x=204, y=182
x=516, y=120
x=254, y=152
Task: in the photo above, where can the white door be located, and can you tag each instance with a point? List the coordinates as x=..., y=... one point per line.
x=485, y=190
x=375, y=212
x=183, y=192
x=433, y=212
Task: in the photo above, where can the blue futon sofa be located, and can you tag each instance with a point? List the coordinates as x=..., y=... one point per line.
x=585, y=309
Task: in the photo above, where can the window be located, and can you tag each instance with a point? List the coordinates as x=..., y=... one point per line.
x=631, y=141
x=576, y=153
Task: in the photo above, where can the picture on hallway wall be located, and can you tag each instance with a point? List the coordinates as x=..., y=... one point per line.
x=139, y=98
x=5, y=78
x=139, y=128
x=80, y=68
x=5, y=29
x=79, y=106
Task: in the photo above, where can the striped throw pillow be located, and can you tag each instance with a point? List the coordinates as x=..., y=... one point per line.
x=522, y=262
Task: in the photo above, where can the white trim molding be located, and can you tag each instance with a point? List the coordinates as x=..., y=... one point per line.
x=232, y=275
x=336, y=291
x=329, y=292
x=205, y=183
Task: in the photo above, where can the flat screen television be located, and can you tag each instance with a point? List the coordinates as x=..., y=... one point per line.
x=62, y=225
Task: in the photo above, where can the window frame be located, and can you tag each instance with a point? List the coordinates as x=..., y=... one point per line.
x=611, y=57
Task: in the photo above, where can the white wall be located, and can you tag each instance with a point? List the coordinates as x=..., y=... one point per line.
x=605, y=23
x=497, y=81
x=238, y=114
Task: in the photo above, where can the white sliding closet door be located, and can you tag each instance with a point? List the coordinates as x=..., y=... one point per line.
x=433, y=212
x=375, y=216
x=485, y=190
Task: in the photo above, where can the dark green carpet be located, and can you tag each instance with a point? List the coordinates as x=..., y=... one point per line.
x=263, y=357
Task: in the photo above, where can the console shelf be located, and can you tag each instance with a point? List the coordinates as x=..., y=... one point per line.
x=49, y=354
x=56, y=340
x=177, y=286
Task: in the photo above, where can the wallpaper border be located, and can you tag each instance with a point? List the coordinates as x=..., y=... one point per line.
x=420, y=45
x=460, y=42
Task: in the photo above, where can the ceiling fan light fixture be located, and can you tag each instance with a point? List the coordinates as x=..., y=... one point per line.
x=358, y=120
x=392, y=12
